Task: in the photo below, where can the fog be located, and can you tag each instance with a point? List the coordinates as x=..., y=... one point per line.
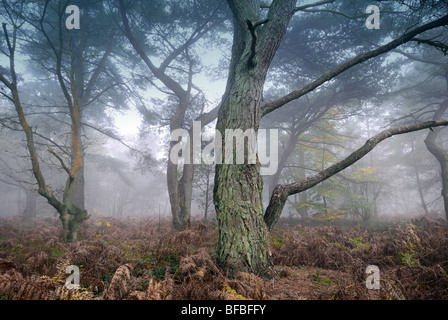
x=129, y=106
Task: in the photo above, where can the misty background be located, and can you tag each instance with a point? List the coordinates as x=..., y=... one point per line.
x=126, y=122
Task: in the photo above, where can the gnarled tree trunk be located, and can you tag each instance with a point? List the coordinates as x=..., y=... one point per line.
x=440, y=154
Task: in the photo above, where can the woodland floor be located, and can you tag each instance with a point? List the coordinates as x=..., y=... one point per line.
x=141, y=259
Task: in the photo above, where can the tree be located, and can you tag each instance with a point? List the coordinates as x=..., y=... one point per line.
x=238, y=188
x=80, y=60
x=440, y=154
x=70, y=215
x=282, y=192
x=323, y=144
x=430, y=101
x=63, y=53
x=197, y=20
x=79, y=64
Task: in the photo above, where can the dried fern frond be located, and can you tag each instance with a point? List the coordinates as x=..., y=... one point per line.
x=63, y=293
x=250, y=279
x=119, y=286
x=393, y=291
x=157, y=290
x=228, y=293
x=14, y=286
x=199, y=265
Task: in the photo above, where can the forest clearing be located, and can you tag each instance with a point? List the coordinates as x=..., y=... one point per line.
x=140, y=259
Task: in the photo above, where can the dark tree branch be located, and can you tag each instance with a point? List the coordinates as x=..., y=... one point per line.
x=430, y=141
x=436, y=44
x=57, y=53
x=159, y=73
x=269, y=107
x=94, y=78
x=281, y=192
x=43, y=189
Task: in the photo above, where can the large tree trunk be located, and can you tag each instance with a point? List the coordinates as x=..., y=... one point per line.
x=238, y=188
x=242, y=243
x=70, y=214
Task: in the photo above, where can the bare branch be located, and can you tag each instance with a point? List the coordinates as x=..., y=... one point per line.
x=436, y=44
x=111, y=135
x=61, y=161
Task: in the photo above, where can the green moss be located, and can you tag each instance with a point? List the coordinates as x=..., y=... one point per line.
x=409, y=259
x=56, y=252
x=278, y=242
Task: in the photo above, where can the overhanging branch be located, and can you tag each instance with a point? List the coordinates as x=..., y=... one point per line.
x=271, y=106
x=282, y=192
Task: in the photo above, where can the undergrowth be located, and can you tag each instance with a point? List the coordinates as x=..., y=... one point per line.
x=141, y=259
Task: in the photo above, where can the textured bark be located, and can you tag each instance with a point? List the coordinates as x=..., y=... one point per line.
x=238, y=194
x=281, y=192
x=174, y=187
x=242, y=235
